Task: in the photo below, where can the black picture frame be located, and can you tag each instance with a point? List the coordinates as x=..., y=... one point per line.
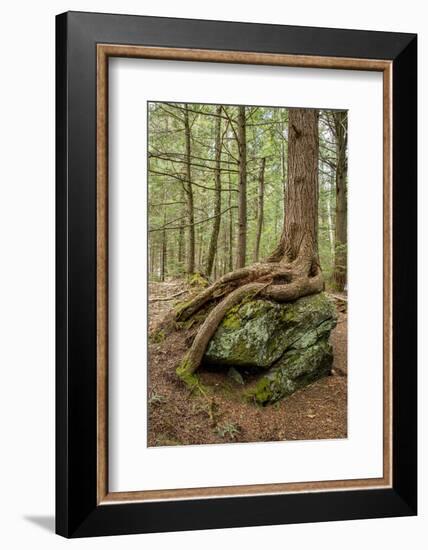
x=77, y=511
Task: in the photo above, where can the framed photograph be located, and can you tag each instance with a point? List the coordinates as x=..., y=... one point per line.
x=236, y=274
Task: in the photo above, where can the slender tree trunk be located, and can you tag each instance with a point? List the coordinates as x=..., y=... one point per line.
x=225, y=249
x=330, y=183
x=163, y=248
x=151, y=258
x=163, y=253
x=230, y=264
x=181, y=248
x=217, y=197
x=260, y=209
x=341, y=236
x=189, y=197
x=200, y=253
x=241, y=248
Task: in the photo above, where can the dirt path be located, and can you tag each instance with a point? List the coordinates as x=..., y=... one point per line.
x=177, y=417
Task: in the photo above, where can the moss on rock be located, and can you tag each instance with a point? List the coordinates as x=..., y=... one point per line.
x=296, y=369
x=258, y=332
x=287, y=343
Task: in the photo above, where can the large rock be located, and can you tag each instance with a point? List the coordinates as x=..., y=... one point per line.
x=287, y=343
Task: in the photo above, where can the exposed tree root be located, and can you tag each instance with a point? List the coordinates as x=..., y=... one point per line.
x=229, y=282
x=282, y=283
x=168, y=298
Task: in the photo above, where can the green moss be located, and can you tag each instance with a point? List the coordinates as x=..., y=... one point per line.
x=180, y=307
x=261, y=393
x=296, y=369
x=231, y=320
x=256, y=333
x=157, y=336
x=198, y=280
x=185, y=372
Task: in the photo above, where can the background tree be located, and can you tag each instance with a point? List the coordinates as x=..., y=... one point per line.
x=217, y=198
x=341, y=234
x=260, y=209
x=241, y=247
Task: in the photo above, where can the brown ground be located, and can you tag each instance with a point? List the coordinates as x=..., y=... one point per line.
x=178, y=417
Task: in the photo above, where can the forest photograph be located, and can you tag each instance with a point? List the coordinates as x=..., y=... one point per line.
x=247, y=273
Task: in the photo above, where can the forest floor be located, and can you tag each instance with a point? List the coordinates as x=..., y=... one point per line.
x=178, y=417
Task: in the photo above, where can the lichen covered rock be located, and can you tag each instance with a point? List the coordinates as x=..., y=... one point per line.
x=258, y=332
x=287, y=342
x=296, y=369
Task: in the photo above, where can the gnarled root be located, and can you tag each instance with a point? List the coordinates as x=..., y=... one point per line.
x=294, y=287
x=228, y=283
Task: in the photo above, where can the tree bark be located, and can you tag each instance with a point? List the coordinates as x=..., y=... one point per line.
x=189, y=196
x=230, y=262
x=241, y=248
x=181, y=246
x=260, y=209
x=341, y=233
x=163, y=249
x=283, y=168
x=299, y=238
x=163, y=253
x=217, y=197
x=330, y=183
x=200, y=248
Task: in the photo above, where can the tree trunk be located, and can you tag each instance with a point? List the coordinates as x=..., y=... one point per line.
x=181, y=249
x=189, y=196
x=163, y=248
x=217, y=198
x=163, y=253
x=199, y=253
x=299, y=239
x=230, y=263
x=330, y=183
x=341, y=234
x=241, y=249
x=283, y=168
x=260, y=207
x=225, y=249
x=293, y=269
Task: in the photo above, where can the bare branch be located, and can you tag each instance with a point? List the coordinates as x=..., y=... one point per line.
x=189, y=224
